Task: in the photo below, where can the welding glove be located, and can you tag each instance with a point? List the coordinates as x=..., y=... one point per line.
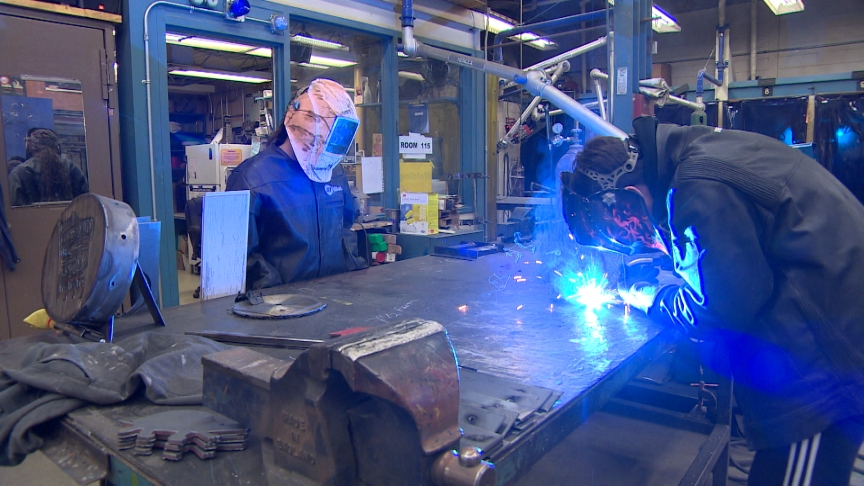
x=640, y=291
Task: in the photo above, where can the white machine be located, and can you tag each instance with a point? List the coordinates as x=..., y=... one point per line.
x=208, y=166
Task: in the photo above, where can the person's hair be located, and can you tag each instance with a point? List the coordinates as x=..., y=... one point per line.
x=604, y=155
x=56, y=184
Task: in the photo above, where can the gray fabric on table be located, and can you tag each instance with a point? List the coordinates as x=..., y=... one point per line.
x=54, y=379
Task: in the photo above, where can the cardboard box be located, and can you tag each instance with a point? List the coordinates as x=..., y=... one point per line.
x=419, y=213
x=415, y=176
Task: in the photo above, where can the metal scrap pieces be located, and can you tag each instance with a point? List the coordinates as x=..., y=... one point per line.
x=493, y=410
x=181, y=431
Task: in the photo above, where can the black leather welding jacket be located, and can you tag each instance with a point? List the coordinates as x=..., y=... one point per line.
x=298, y=229
x=771, y=246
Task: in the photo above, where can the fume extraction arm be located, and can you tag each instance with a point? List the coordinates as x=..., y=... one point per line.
x=535, y=81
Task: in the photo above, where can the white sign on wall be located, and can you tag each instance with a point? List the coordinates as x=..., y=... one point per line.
x=415, y=146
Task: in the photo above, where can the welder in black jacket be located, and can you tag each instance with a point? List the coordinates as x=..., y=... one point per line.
x=770, y=247
x=301, y=207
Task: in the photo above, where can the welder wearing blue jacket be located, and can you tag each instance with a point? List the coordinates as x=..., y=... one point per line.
x=770, y=247
x=301, y=208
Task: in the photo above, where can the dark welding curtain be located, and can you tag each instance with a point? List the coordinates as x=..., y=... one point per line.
x=838, y=138
x=784, y=119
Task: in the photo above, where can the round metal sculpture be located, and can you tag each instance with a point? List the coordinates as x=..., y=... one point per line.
x=90, y=260
x=279, y=306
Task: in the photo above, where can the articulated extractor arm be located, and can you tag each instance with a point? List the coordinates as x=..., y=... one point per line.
x=535, y=81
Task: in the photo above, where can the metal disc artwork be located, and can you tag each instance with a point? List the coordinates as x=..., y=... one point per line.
x=278, y=306
x=90, y=260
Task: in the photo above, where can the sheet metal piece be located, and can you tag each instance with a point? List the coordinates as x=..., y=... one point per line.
x=278, y=306
x=180, y=431
x=468, y=250
x=507, y=394
x=256, y=339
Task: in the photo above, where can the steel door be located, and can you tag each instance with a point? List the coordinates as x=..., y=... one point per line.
x=52, y=48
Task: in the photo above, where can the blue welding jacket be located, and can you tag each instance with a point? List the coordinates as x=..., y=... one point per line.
x=298, y=229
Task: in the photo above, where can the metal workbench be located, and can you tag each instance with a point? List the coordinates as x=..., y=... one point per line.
x=517, y=329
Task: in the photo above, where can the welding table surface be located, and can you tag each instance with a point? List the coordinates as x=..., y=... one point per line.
x=555, y=347
x=514, y=329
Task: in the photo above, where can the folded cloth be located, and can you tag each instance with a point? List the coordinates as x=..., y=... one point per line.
x=55, y=379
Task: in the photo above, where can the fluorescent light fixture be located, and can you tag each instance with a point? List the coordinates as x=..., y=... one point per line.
x=309, y=66
x=261, y=52
x=330, y=61
x=410, y=75
x=663, y=23
x=535, y=41
x=496, y=25
x=320, y=43
x=225, y=76
x=782, y=7
x=205, y=43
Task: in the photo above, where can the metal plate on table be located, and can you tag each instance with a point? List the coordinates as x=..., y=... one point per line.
x=509, y=395
x=278, y=306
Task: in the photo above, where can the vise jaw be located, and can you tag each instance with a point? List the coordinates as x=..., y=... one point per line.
x=378, y=407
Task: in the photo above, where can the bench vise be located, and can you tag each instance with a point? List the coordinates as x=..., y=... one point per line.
x=379, y=407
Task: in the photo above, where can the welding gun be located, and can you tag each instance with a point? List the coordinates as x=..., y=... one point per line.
x=643, y=276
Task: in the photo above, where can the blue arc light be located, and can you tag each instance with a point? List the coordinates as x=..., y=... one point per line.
x=278, y=23
x=239, y=8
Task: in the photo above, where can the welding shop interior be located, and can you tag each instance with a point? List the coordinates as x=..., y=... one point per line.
x=469, y=111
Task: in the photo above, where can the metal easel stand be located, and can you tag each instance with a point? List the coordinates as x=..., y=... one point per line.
x=104, y=331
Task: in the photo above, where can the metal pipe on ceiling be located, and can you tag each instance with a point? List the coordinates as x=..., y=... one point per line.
x=753, y=16
x=535, y=81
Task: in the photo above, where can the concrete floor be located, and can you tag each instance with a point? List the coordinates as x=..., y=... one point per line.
x=187, y=283
x=36, y=470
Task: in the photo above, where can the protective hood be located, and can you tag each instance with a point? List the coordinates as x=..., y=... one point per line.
x=321, y=124
x=611, y=219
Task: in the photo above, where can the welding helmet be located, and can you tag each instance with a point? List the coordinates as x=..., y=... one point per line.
x=321, y=124
x=612, y=219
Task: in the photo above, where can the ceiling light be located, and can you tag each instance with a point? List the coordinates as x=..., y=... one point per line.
x=204, y=43
x=663, y=23
x=496, y=25
x=310, y=66
x=252, y=77
x=781, y=7
x=330, y=62
x=306, y=40
x=261, y=52
x=410, y=75
x=535, y=41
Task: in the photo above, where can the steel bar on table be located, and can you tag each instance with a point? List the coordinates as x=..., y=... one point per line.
x=256, y=339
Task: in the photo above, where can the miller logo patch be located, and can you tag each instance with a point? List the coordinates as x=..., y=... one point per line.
x=330, y=190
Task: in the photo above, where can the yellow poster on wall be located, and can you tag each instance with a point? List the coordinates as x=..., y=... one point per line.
x=415, y=176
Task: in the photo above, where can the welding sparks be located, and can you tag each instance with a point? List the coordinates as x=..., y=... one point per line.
x=520, y=307
x=538, y=262
x=558, y=273
x=593, y=296
x=463, y=308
